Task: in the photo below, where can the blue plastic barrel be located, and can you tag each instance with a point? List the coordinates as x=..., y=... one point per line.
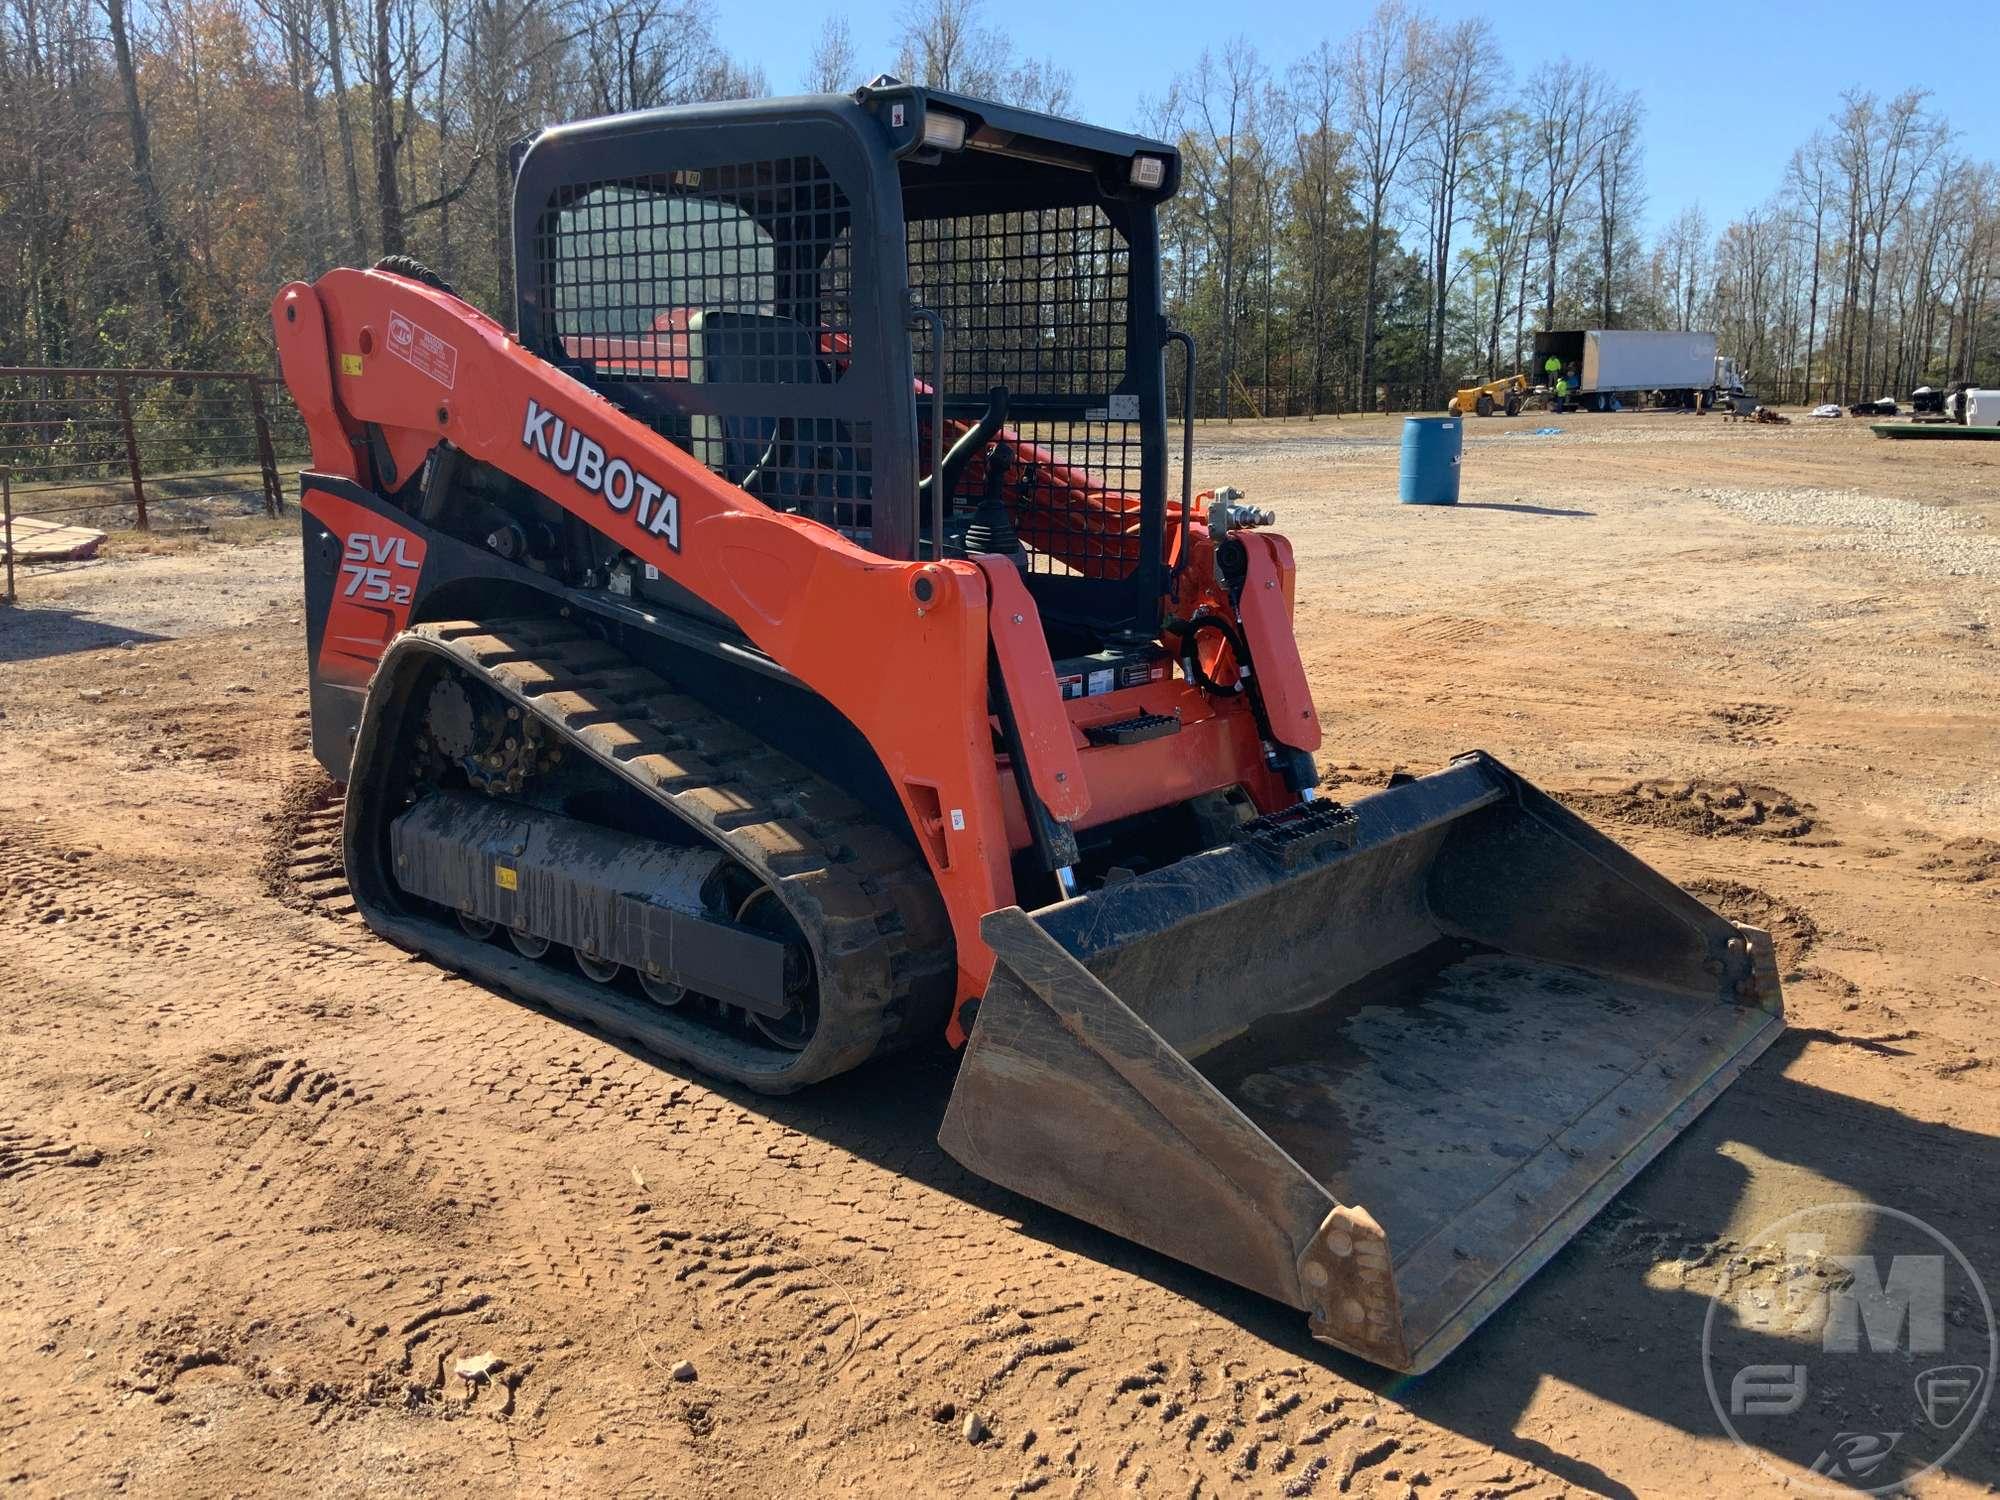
x=1430, y=460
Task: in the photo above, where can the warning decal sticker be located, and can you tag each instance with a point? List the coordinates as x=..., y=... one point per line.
x=425, y=350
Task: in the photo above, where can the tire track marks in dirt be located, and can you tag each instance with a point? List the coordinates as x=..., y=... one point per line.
x=569, y=1240
x=1429, y=637
x=1750, y=725
x=499, y=1182
x=481, y=1176
x=302, y=861
x=238, y=1082
x=26, y=1153
x=464, y=1156
x=1965, y=861
x=299, y=1173
x=215, y=735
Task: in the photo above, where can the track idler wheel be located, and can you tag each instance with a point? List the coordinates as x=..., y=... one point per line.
x=795, y=1028
x=603, y=970
x=662, y=990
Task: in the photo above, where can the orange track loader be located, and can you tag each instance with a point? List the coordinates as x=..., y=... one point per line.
x=784, y=646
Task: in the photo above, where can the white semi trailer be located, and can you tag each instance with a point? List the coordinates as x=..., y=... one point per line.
x=1632, y=365
x=1981, y=409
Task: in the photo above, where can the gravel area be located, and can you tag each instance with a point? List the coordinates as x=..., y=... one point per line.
x=1949, y=542
x=1295, y=448
x=1338, y=441
x=116, y=600
x=1619, y=430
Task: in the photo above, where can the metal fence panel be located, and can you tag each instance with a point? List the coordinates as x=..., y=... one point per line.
x=153, y=449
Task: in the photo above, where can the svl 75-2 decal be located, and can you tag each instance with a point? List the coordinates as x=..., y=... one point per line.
x=378, y=569
x=380, y=563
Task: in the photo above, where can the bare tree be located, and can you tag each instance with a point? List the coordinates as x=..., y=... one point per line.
x=1382, y=87
x=1321, y=184
x=1746, y=261
x=1980, y=262
x=832, y=67
x=1460, y=85
x=945, y=46
x=1504, y=214
x=1218, y=102
x=386, y=130
x=297, y=25
x=163, y=246
x=1620, y=195
x=1810, y=179
x=1039, y=83
x=336, y=56
x=1682, y=254
x=641, y=54
x=1904, y=144
x=1566, y=105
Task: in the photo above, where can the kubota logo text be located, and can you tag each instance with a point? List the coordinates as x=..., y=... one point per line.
x=656, y=509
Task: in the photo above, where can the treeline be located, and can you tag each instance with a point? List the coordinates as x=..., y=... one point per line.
x=1390, y=214
x=1396, y=213
x=166, y=164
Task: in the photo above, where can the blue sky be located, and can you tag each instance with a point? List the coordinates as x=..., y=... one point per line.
x=1730, y=89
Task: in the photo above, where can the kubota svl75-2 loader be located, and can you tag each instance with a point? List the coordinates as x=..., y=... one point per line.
x=786, y=645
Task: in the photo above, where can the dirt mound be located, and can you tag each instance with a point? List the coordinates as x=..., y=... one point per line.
x=1967, y=861
x=1705, y=809
x=1353, y=780
x=1746, y=723
x=1793, y=932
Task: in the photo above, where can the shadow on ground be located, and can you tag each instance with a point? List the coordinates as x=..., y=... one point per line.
x=28, y=633
x=1522, y=509
x=1620, y=1312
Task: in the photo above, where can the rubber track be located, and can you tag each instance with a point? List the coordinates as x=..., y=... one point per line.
x=865, y=900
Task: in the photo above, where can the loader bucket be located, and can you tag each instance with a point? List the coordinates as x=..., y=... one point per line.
x=1381, y=1072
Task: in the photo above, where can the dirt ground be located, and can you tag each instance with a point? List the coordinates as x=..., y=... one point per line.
x=265, y=1181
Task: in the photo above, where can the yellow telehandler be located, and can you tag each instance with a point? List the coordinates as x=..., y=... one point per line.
x=1505, y=395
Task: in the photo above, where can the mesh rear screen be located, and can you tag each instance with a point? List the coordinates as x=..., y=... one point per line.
x=739, y=278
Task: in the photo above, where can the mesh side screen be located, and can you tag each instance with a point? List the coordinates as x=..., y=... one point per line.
x=738, y=279
x=1038, y=301
x=1034, y=301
